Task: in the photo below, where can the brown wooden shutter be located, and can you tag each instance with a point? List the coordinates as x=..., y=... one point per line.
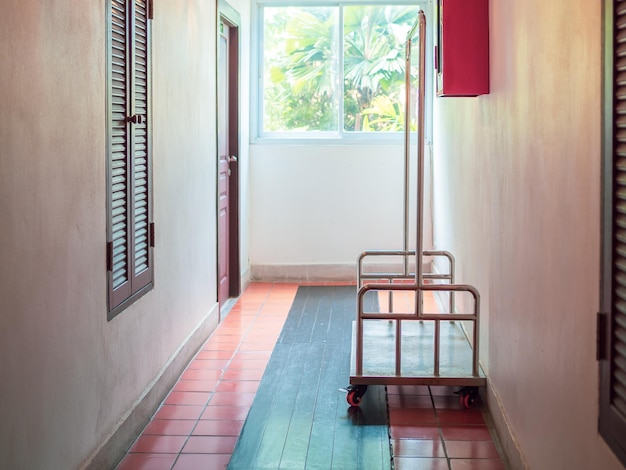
x=613, y=366
x=129, y=173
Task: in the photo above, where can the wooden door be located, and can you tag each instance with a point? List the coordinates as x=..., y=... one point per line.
x=227, y=165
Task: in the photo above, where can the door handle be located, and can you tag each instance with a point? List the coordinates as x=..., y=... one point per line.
x=232, y=158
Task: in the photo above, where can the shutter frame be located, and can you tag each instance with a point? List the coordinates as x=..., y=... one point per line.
x=612, y=419
x=129, y=171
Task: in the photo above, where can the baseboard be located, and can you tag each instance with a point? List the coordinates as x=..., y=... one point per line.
x=109, y=454
x=514, y=457
x=245, y=279
x=303, y=272
x=510, y=445
x=331, y=272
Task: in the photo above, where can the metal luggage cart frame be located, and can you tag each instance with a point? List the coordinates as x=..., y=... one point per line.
x=391, y=370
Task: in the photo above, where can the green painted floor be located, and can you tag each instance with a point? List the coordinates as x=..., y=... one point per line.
x=299, y=419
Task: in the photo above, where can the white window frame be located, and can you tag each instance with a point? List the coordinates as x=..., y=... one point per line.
x=340, y=136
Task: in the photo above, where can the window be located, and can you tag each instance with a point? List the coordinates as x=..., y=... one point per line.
x=333, y=70
x=130, y=232
x=612, y=324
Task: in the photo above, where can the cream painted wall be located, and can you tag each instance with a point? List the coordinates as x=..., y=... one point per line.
x=517, y=199
x=68, y=377
x=315, y=208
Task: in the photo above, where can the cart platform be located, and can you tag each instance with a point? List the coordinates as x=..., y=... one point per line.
x=417, y=350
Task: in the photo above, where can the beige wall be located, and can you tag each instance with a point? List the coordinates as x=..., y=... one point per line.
x=334, y=200
x=67, y=375
x=517, y=196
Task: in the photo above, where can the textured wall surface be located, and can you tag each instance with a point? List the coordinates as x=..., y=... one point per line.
x=517, y=199
x=68, y=375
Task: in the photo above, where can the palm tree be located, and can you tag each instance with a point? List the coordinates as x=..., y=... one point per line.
x=374, y=59
x=302, y=58
x=301, y=67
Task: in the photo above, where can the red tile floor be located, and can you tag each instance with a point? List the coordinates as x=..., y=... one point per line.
x=197, y=425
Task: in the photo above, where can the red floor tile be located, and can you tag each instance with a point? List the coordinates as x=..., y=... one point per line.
x=244, y=355
x=242, y=374
x=199, y=374
x=476, y=464
x=415, y=432
x=258, y=364
x=210, y=445
x=170, y=427
x=460, y=417
x=214, y=355
x=465, y=433
x=195, y=385
x=418, y=448
x=251, y=304
x=258, y=346
x=187, y=398
x=208, y=364
x=472, y=450
x=412, y=416
x=210, y=427
x=232, y=399
x=147, y=462
x=159, y=444
x=201, y=461
x=234, y=413
x=447, y=403
x=216, y=346
x=414, y=463
x=179, y=412
x=410, y=401
x=248, y=386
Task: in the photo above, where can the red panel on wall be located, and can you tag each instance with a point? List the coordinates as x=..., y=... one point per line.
x=462, y=58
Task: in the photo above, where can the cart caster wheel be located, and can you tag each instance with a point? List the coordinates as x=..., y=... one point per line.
x=468, y=396
x=355, y=394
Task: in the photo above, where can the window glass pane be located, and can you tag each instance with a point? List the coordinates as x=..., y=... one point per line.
x=300, y=69
x=374, y=65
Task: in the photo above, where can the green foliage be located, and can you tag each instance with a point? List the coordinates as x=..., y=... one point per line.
x=302, y=85
x=383, y=115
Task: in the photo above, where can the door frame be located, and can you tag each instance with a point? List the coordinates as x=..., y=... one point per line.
x=228, y=15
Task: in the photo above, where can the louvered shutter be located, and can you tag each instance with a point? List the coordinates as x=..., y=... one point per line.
x=129, y=200
x=613, y=367
x=141, y=187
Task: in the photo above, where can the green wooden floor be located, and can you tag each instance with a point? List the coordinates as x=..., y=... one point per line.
x=299, y=418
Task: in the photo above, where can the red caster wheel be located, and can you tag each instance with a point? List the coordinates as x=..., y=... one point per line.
x=355, y=394
x=468, y=397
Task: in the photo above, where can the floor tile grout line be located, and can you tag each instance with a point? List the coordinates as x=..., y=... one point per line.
x=241, y=341
x=443, y=441
x=194, y=427
x=197, y=421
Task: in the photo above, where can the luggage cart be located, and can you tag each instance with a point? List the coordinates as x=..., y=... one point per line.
x=399, y=341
